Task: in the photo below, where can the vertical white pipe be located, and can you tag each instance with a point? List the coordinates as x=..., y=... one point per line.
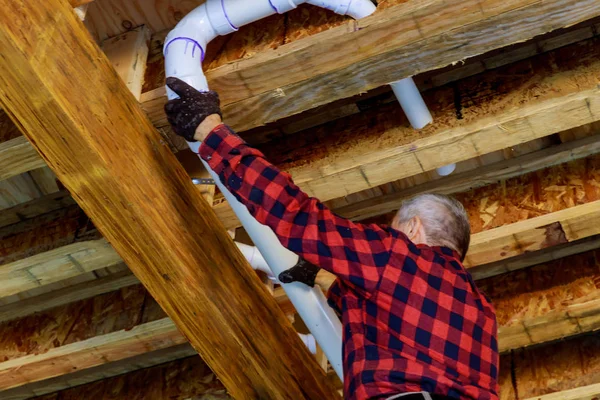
x=412, y=103
x=309, y=302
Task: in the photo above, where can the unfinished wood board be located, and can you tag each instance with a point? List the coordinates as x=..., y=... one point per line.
x=56, y=265
x=476, y=177
x=339, y=48
x=81, y=320
x=533, y=258
x=369, y=149
x=128, y=53
x=163, y=240
x=46, y=232
x=541, y=192
x=16, y=190
x=109, y=18
x=557, y=368
x=537, y=233
x=546, y=302
x=89, y=353
x=188, y=378
x=361, y=59
x=18, y=156
x=67, y=295
x=33, y=208
x=100, y=372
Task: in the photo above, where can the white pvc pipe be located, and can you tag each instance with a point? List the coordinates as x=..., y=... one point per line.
x=309, y=342
x=446, y=169
x=255, y=259
x=184, y=51
x=412, y=103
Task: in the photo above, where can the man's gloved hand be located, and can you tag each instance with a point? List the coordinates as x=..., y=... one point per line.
x=304, y=272
x=192, y=107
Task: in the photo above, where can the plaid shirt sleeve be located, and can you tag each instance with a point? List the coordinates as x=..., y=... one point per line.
x=354, y=252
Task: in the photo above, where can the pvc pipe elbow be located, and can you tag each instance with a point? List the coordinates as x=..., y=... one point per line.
x=255, y=259
x=412, y=103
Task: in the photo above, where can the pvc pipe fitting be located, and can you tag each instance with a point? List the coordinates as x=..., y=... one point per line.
x=310, y=342
x=255, y=259
x=217, y=15
x=356, y=9
x=446, y=170
x=412, y=103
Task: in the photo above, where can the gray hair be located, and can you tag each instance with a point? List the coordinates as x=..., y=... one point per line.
x=444, y=218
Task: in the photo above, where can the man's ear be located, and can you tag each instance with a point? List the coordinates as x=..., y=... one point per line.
x=414, y=228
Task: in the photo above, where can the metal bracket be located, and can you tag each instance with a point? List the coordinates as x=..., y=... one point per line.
x=203, y=181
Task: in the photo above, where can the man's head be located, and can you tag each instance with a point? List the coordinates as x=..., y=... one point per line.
x=435, y=220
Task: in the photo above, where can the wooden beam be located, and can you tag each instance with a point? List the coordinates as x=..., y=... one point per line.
x=56, y=265
x=562, y=370
x=102, y=373
x=533, y=234
x=35, y=208
x=18, y=156
x=478, y=177
x=111, y=158
x=546, y=302
x=187, y=378
x=88, y=353
x=528, y=259
x=67, y=295
x=128, y=53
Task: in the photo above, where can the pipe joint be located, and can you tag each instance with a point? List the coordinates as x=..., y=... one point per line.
x=283, y=6
x=217, y=15
x=356, y=9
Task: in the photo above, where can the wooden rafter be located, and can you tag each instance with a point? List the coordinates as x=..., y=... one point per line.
x=114, y=172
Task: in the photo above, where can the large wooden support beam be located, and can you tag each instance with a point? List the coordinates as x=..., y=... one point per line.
x=66, y=98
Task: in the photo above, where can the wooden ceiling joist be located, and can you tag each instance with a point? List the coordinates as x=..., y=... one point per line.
x=478, y=177
x=111, y=159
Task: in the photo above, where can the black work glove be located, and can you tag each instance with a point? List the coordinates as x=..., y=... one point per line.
x=303, y=272
x=187, y=112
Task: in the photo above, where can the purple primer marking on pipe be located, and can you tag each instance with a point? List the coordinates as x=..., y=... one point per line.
x=187, y=42
x=273, y=7
x=227, y=16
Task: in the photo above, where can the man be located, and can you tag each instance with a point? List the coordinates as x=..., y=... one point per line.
x=415, y=324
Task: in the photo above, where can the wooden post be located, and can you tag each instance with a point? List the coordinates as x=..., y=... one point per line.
x=62, y=92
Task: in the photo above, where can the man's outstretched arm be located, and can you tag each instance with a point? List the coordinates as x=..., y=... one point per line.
x=355, y=252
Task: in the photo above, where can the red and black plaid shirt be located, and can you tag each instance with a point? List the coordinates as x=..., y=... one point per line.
x=413, y=318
